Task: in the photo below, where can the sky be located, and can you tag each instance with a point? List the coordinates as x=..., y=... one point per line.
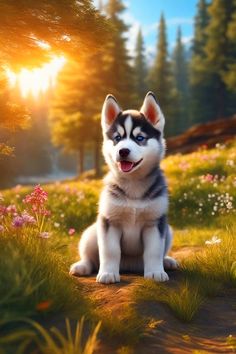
x=146, y=14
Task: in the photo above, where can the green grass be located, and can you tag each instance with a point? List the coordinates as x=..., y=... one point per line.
x=34, y=280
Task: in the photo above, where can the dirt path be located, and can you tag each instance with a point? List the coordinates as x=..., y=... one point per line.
x=207, y=333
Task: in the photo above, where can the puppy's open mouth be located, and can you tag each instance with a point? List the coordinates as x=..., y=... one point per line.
x=127, y=166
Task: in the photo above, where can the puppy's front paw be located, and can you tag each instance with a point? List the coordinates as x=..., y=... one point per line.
x=80, y=268
x=108, y=278
x=159, y=276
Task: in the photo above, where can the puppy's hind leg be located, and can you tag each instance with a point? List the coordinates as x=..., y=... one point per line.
x=169, y=262
x=88, y=251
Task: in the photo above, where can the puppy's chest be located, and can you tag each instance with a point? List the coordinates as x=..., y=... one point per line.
x=128, y=212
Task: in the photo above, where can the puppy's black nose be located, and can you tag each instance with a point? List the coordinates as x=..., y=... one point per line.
x=124, y=153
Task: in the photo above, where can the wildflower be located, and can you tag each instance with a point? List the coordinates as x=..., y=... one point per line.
x=214, y=240
x=44, y=234
x=56, y=224
x=2, y=228
x=37, y=200
x=28, y=219
x=71, y=231
x=17, y=221
x=230, y=163
x=208, y=177
x=44, y=305
x=62, y=216
x=11, y=209
x=3, y=210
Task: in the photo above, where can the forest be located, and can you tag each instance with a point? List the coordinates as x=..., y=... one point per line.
x=60, y=130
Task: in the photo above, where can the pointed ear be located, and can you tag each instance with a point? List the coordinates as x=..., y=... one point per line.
x=152, y=111
x=110, y=111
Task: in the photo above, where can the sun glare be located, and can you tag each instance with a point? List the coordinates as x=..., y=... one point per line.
x=36, y=81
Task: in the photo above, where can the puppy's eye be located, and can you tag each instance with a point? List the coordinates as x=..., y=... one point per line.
x=117, y=138
x=140, y=138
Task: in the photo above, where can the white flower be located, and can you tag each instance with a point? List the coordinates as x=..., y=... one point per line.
x=214, y=240
x=44, y=234
x=56, y=224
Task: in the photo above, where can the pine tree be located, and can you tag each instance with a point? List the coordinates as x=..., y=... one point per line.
x=229, y=75
x=160, y=78
x=218, y=53
x=180, y=74
x=119, y=75
x=140, y=70
x=201, y=105
x=74, y=122
x=200, y=25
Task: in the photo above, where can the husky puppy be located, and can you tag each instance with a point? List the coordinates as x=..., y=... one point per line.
x=131, y=232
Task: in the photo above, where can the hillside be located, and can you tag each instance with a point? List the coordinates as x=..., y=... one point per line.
x=208, y=134
x=193, y=312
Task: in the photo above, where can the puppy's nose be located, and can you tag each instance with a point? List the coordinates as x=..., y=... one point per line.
x=124, y=153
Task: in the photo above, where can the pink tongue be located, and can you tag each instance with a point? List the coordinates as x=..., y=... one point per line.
x=126, y=166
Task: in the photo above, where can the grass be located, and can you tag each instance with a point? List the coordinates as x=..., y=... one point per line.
x=34, y=281
x=52, y=341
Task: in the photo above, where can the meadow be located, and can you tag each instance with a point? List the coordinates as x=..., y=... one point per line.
x=44, y=310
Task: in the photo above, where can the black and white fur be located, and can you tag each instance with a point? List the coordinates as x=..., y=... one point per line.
x=131, y=232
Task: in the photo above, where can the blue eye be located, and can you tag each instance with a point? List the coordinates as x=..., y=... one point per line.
x=140, y=138
x=117, y=138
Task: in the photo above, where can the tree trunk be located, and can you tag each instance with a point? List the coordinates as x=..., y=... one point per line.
x=221, y=111
x=81, y=160
x=97, y=164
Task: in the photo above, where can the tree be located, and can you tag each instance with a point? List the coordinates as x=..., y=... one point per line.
x=160, y=78
x=118, y=76
x=84, y=86
x=74, y=122
x=180, y=76
x=13, y=115
x=213, y=57
x=229, y=75
x=140, y=69
x=202, y=108
x=31, y=31
x=218, y=53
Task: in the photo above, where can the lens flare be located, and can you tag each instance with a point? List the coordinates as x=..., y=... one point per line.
x=36, y=81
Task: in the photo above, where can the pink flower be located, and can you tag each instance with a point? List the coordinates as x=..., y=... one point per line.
x=71, y=231
x=3, y=210
x=11, y=209
x=17, y=221
x=37, y=199
x=2, y=228
x=184, y=165
x=28, y=219
x=209, y=177
x=44, y=234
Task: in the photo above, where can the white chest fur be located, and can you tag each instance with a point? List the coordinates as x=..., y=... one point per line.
x=132, y=215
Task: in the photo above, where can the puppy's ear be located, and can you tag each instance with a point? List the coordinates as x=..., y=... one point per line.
x=152, y=111
x=110, y=111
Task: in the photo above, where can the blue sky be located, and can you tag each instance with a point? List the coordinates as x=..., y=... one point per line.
x=146, y=14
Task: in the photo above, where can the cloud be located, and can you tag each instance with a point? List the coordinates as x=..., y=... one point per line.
x=187, y=40
x=131, y=35
x=174, y=21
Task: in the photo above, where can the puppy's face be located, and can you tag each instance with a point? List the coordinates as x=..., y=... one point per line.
x=133, y=140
